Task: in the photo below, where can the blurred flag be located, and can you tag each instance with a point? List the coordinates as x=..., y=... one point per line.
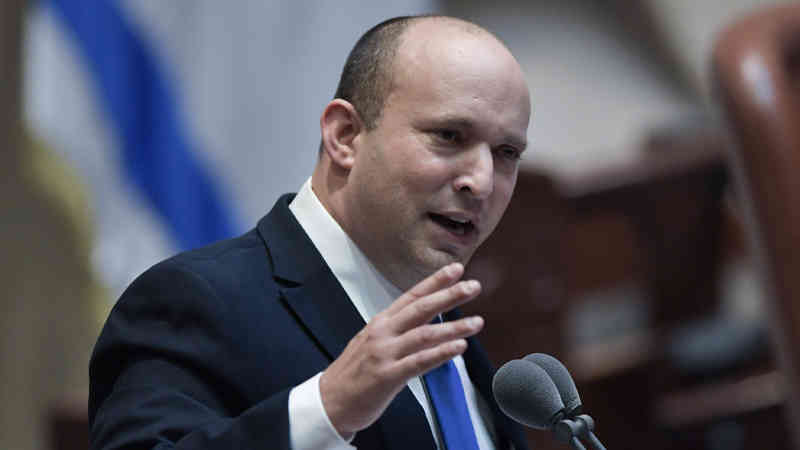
x=185, y=119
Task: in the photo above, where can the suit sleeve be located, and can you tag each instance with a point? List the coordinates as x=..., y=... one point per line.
x=163, y=374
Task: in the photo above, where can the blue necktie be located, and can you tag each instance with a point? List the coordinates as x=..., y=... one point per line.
x=447, y=395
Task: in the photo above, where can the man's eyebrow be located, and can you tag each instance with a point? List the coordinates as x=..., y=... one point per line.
x=464, y=123
x=455, y=122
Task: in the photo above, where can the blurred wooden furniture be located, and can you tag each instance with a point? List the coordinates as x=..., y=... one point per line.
x=756, y=70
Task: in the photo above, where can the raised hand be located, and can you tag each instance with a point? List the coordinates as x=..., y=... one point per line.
x=399, y=343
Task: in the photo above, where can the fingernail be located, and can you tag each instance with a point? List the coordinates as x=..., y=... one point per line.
x=448, y=270
x=475, y=322
x=471, y=286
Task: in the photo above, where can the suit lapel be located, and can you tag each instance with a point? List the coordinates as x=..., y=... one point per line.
x=321, y=305
x=309, y=288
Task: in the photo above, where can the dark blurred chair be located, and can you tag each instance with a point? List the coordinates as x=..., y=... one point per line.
x=756, y=74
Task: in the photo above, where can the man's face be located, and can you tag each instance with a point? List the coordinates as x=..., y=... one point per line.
x=433, y=179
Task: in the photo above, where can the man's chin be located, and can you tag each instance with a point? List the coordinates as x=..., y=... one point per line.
x=437, y=258
x=424, y=264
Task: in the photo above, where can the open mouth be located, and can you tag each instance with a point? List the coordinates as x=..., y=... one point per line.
x=453, y=225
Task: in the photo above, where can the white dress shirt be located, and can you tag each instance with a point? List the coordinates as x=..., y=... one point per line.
x=309, y=425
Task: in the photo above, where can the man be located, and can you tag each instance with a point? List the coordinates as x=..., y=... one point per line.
x=318, y=329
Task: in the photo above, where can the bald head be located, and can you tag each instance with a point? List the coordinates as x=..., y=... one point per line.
x=444, y=54
x=369, y=73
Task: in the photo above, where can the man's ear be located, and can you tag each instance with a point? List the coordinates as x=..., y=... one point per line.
x=340, y=125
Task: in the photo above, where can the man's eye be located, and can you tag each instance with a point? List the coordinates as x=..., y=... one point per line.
x=509, y=153
x=447, y=135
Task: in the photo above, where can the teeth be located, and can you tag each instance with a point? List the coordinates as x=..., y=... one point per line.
x=457, y=225
x=462, y=222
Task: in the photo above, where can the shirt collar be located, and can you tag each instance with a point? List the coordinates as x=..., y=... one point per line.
x=367, y=288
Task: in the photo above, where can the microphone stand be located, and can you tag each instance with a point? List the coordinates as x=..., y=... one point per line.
x=576, y=444
x=569, y=430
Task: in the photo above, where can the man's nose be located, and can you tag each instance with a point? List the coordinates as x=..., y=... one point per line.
x=477, y=173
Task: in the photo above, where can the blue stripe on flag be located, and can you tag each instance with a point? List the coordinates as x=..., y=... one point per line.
x=157, y=155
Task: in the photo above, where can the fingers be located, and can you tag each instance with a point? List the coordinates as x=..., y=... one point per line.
x=440, y=279
x=418, y=363
x=423, y=310
x=432, y=335
x=397, y=344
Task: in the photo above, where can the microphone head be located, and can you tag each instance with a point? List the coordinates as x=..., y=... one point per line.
x=526, y=393
x=561, y=378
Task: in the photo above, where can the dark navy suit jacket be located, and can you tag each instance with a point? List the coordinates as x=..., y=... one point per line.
x=202, y=350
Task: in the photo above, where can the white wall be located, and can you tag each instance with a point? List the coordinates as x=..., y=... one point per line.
x=595, y=95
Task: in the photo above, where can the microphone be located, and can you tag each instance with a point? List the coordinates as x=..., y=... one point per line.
x=526, y=393
x=562, y=379
x=539, y=392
